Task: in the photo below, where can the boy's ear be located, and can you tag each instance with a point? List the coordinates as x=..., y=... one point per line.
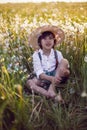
x=55, y=41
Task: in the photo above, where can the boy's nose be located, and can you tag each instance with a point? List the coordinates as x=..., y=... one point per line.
x=47, y=39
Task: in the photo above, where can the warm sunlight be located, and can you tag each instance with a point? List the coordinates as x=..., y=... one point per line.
x=19, y=1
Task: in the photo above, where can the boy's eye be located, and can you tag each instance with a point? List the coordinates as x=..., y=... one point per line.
x=50, y=37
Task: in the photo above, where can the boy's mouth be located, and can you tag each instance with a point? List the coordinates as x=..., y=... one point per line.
x=48, y=44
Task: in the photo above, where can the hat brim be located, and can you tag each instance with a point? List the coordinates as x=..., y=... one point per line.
x=33, y=37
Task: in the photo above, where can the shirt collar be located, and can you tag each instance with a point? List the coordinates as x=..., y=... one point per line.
x=41, y=51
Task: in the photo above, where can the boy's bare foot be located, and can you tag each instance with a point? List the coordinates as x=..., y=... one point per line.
x=59, y=98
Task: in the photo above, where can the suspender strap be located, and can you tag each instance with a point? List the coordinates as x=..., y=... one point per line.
x=56, y=57
x=40, y=56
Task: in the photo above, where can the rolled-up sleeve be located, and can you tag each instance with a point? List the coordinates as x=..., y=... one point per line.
x=37, y=64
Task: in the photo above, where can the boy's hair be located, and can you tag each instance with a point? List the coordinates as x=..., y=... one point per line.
x=43, y=35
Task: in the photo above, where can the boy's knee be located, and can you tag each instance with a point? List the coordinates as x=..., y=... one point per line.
x=67, y=73
x=29, y=82
x=64, y=62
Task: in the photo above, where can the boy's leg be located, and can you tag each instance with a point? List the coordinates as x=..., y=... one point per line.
x=63, y=68
x=33, y=85
x=62, y=73
x=50, y=93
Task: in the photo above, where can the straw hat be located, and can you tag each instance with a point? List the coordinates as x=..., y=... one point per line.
x=33, y=37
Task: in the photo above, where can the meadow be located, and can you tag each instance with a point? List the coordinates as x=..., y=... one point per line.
x=21, y=109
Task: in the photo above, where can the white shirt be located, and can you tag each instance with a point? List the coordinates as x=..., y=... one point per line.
x=48, y=62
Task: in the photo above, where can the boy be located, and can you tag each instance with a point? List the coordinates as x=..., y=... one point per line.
x=49, y=65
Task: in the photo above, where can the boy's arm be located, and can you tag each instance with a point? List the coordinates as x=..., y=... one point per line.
x=46, y=77
x=52, y=79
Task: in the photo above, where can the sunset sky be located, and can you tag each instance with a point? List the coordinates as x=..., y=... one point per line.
x=18, y=1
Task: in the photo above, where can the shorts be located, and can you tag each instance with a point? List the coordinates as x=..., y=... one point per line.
x=52, y=73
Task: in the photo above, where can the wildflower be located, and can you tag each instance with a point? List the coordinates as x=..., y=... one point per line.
x=29, y=59
x=81, y=8
x=20, y=72
x=25, y=70
x=3, y=97
x=72, y=91
x=2, y=59
x=85, y=58
x=13, y=57
x=16, y=68
x=74, y=48
x=84, y=94
x=67, y=50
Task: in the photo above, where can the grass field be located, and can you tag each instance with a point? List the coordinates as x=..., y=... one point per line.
x=25, y=111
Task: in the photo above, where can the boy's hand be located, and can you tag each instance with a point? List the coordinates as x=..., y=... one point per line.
x=56, y=80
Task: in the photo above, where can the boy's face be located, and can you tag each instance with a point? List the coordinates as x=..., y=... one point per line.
x=47, y=42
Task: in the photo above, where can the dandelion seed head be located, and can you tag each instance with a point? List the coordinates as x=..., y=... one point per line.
x=72, y=91
x=3, y=97
x=85, y=58
x=84, y=94
x=2, y=60
x=74, y=48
